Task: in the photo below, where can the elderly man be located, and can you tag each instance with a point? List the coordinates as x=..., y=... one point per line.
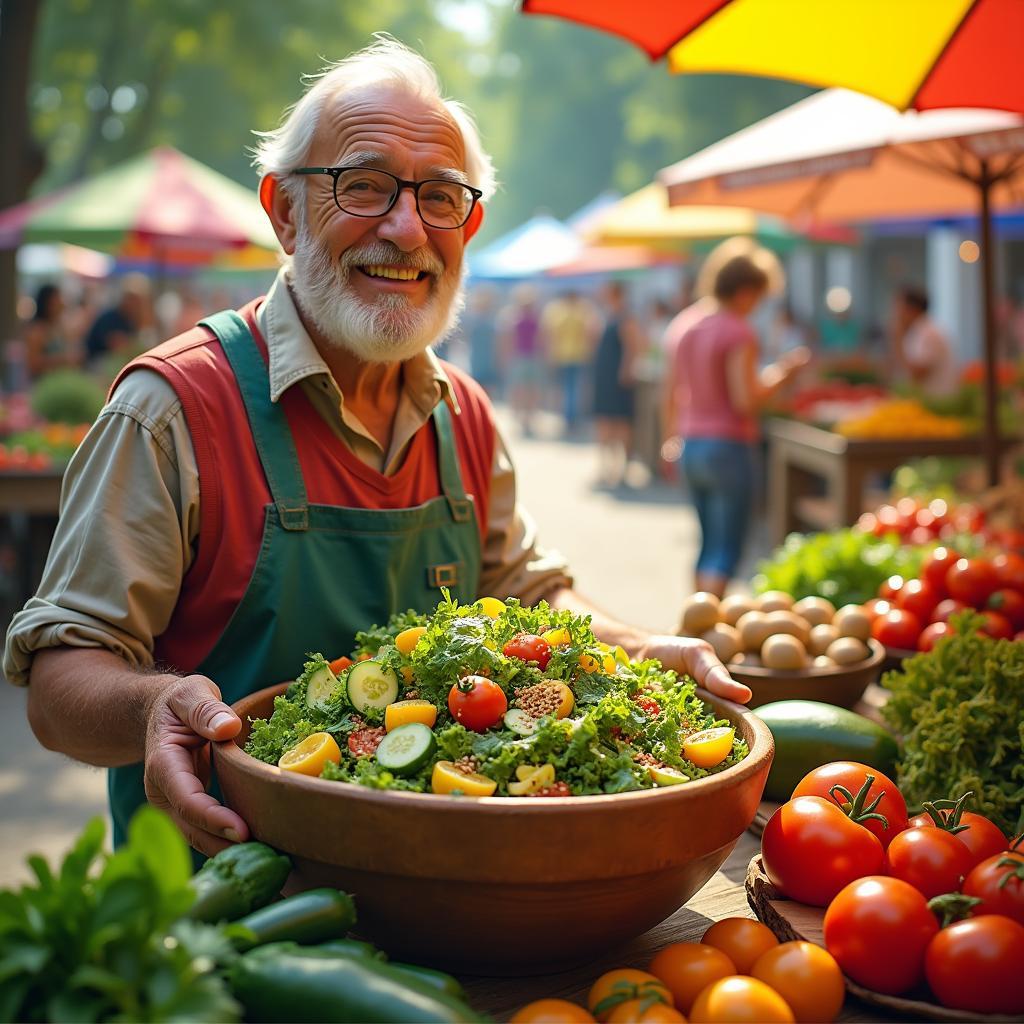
x=281, y=476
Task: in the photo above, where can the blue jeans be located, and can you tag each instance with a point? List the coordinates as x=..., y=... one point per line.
x=720, y=475
x=571, y=378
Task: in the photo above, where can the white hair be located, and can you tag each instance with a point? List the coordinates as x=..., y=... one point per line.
x=385, y=60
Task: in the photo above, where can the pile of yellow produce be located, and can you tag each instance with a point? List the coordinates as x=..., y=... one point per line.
x=900, y=418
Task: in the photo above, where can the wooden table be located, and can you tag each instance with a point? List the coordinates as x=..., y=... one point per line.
x=723, y=896
x=799, y=454
x=31, y=502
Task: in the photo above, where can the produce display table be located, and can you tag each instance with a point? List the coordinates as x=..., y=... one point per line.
x=723, y=896
x=31, y=502
x=799, y=454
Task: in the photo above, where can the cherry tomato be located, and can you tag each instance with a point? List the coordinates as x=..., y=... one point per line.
x=852, y=775
x=876, y=607
x=687, y=968
x=945, y=609
x=936, y=565
x=741, y=940
x=806, y=976
x=878, y=929
x=528, y=647
x=971, y=580
x=552, y=1011
x=811, y=849
x=1009, y=604
x=919, y=598
x=982, y=837
x=897, y=628
x=621, y=985
x=364, y=742
x=742, y=1000
x=890, y=588
x=998, y=881
x=1009, y=569
x=975, y=965
x=477, y=703
x=932, y=634
x=997, y=626
x=931, y=860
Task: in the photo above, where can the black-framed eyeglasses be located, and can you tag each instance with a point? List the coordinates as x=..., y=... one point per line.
x=367, y=192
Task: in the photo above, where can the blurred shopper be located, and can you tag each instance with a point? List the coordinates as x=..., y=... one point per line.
x=520, y=343
x=721, y=391
x=920, y=348
x=117, y=329
x=48, y=345
x=649, y=384
x=614, y=359
x=570, y=326
x=787, y=333
x=479, y=327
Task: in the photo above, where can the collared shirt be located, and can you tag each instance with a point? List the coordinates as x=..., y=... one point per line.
x=109, y=585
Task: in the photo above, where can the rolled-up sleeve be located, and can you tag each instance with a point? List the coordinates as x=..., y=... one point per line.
x=128, y=519
x=514, y=563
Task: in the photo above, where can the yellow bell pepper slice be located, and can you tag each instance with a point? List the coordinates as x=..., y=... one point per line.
x=491, y=606
x=589, y=663
x=531, y=778
x=446, y=778
x=407, y=640
x=402, y=712
x=558, y=637
x=310, y=756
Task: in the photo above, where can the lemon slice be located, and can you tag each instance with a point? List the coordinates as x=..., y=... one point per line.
x=667, y=776
x=310, y=756
x=710, y=747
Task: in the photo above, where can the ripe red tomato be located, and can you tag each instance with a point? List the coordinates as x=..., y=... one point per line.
x=477, y=703
x=982, y=837
x=364, y=742
x=878, y=929
x=811, y=849
x=875, y=607
x=1009, y=569
x=997, y=626
x=975, y=965
x=897, y=628
x=932, y=634
x=890, y=588
x=971, y=580
x=1009, y=604
x=968, y=518
x=919, y=598
x=528, y=647
x=998, y=881
x=931, y=860
x=852, y=775
x=936, y=565
x=945, y=609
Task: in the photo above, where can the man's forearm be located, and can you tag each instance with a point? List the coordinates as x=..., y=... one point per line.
x=605, y=628
x=91, y=705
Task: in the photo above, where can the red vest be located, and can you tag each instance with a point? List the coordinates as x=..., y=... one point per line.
x=234, y=492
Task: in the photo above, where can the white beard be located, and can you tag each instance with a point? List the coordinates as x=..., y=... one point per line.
x=388, y=330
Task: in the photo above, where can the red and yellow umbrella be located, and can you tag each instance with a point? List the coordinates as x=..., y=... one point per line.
x=913, y=54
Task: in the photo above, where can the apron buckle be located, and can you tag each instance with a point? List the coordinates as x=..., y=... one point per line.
x=461, y=509
x=446, y=575
x=295, y=517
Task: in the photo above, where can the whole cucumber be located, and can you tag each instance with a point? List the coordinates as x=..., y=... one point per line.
x=435, y=979
x=237, y=881
x=316, y=915
x=278, y=986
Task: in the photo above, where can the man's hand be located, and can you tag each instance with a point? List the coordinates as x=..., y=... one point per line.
x=698, y=659
x=182, y=719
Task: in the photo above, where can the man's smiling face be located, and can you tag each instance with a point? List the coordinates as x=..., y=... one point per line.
x=385, y=287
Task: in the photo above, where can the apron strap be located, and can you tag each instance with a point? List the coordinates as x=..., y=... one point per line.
x=267, y=420
x=448, y=459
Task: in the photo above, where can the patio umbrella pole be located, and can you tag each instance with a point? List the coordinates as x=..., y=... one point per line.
x=991, y=440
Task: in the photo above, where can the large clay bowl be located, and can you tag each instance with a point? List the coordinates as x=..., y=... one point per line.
x=500, y=884
x=843, y=685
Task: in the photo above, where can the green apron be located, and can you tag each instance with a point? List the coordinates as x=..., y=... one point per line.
x=323, y=572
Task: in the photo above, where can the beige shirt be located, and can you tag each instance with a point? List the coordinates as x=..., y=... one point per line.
x=129, y=510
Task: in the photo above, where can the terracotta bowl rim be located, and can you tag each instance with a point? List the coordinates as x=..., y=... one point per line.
x=760, y=673
x=761, y=750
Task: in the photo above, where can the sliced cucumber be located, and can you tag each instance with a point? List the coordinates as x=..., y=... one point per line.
x=520, y=722
x=407, y=749
x=320, y=686
x=371, y=685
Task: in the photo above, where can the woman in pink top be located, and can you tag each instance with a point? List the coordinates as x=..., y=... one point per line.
x=719, y=393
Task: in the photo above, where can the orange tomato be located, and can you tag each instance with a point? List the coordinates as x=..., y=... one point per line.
x=641, y=1011
x=807, y=977
x=552, y=1011
x=687, y=968
x=740, y=1000
x=741, y=940
x=621, y=985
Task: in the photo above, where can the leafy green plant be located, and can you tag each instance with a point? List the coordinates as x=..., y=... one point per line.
x=100, y=939
x=67, y=396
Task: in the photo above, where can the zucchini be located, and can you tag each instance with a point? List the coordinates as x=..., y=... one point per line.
x=435, y=979
x=520, y=722
x=239, y=880
x=321, y=683
x=278, y=985
x=407, y=749
x=307, y=918
x=371, y=685
x=348, y=947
